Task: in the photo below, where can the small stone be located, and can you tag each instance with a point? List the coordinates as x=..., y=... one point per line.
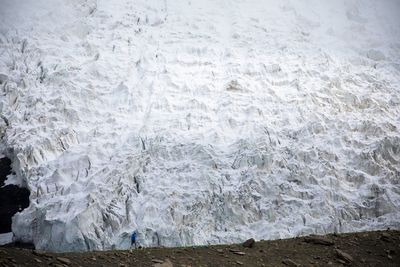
x=239, y=263
x=385, y=237
x=290, y=263
x=353, y=243
x=220, y=251
x=390, y=251
x=249, y=243
x=389, y=257
x=64, y=260
x=37, y=260
x=343, y=255
x=237, y=252
x=167, y=263
x=39, y=253
x=157, y=261
x=318, y=240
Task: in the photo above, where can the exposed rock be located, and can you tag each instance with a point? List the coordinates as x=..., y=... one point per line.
x=237, y=252
x=343, y=255
x=167, y=263
x=12, y=260
x=385, y=237
x=319, y=240
x=39, y=253
x=249, y=243
x=290, y=263
x=64, y=260
x=390, y=251
x=157, y=261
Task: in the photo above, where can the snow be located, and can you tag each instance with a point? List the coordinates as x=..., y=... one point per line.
x=6, y=238
x=200, y=122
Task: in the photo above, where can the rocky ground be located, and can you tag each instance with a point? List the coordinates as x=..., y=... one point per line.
x=380, y=248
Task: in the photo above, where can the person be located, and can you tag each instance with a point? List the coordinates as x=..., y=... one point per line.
x=133, y=239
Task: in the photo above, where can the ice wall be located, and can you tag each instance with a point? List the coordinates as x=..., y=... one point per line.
x=198, y=122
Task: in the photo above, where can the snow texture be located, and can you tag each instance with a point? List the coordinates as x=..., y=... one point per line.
x=200, y=122
x=6, y=238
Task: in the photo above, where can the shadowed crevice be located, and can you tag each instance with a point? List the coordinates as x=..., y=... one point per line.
x=12, y=198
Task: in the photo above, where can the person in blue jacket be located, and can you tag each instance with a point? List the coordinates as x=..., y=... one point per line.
x=133, y=239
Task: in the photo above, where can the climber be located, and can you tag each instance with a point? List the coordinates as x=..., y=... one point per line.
x=133, y=239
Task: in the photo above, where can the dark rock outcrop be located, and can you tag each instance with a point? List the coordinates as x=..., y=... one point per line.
x=249, y=243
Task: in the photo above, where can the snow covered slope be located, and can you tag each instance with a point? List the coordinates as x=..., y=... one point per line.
x=200, y=122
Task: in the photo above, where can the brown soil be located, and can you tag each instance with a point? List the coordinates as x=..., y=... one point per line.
x=380, y=248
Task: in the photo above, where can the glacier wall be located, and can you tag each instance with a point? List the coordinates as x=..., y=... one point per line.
x=200, y=122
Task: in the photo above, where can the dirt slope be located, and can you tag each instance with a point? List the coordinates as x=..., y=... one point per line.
x=380, y=248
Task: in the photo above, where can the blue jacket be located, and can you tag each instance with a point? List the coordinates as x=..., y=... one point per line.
x=133, y=237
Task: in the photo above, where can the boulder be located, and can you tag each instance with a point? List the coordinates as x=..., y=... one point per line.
x=249, y=243
x=343, y=256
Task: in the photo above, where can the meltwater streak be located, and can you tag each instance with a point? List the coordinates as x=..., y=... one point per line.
x=198, y=122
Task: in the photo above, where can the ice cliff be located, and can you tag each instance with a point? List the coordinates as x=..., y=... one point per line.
x=198, y=122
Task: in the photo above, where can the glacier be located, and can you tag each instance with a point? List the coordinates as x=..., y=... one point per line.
x=200, y=122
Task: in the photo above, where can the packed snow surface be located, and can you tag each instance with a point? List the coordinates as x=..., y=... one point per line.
x=200, y=122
